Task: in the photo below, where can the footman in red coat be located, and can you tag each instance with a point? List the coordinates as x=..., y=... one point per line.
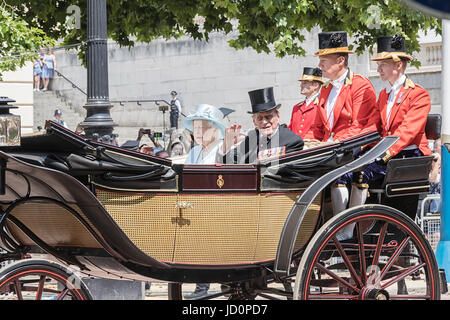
x=304, y=113
x=403, y=107
x=346, y=105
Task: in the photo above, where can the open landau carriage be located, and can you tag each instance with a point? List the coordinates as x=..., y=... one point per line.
x=72, y=204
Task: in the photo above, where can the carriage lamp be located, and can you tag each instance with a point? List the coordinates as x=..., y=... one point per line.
x=10, y=126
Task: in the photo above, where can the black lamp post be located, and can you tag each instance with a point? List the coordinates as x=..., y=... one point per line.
x=98, y=125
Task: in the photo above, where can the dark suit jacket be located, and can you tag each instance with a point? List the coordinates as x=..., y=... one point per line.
x=247, y=151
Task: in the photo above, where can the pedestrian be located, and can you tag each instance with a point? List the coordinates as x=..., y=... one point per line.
x=37, y=73
x=304, y=113
x=435, y=177
x=175, y=110
x=58, y=118
x=49, y=65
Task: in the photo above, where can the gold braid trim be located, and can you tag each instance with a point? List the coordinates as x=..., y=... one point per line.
x=392, y=55
x=323, y=52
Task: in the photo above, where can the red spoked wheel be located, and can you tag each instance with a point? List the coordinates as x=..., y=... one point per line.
x=41, y=280
x=388, y=258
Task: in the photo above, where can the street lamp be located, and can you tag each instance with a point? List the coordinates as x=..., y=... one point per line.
x=98, y=125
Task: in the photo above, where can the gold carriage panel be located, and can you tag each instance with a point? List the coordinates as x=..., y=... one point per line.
x=206, y=229
x=147, y=219
x=217, y=229
x=52, y=224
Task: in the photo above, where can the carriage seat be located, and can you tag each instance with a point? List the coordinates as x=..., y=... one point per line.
x=410, y=176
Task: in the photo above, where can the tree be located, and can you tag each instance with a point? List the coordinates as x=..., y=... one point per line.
x=20, y=42
x=265, y=25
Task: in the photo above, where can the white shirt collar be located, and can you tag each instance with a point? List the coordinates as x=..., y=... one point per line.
x=338, y=83
x=397, y=84
x=273, y=133
x=310, y=99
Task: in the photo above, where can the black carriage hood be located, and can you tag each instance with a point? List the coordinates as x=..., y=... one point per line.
x=24, y=180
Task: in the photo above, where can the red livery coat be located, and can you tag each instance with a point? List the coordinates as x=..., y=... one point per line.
x=355, y=106
x=408, y=117
x=303, y=117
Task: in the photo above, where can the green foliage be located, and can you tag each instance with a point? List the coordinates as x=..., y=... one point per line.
x=275, y=26
x=20, y=42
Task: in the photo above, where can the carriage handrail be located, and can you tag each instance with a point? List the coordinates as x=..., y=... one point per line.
x=294, y=220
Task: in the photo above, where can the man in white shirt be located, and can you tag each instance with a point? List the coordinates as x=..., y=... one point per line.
x=346, y=104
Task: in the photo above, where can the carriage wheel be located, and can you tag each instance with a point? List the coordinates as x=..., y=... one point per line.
x=372, y=264
x=174, y=291
x=41, y=280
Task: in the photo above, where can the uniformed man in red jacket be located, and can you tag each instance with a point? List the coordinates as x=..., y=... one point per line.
x=304, y=113
x=346, y=104
x=347, y=101
x=403, y=108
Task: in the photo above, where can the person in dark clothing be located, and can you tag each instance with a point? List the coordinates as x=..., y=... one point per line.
x=175, y=110
x=268, y=139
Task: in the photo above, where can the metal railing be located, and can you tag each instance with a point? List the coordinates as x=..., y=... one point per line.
x=139, y=102
x=71, y=82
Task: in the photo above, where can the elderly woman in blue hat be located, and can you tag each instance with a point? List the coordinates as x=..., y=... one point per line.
x=208, y=130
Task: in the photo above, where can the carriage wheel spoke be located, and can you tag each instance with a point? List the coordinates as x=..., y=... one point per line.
x=63, y=294
x=40, y=287
x=18, y=289
x=362, y=255
x=380, y=242
x=403, y=275
x=336, y=277
x=347, y=262
x=392, y=259
x=333, y=296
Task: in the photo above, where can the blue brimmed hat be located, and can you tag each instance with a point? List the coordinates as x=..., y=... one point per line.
x=205, y=112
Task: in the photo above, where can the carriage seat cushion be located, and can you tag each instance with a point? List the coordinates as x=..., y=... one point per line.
x=433, y=127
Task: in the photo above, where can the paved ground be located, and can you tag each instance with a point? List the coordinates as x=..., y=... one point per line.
x=158, y=291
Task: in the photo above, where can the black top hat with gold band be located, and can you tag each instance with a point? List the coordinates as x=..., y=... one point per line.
x=262, y=100
x=392, y=48
x=312, y=74
x=332, y=42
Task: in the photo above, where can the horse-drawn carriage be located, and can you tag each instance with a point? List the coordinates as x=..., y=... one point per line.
x=71, y=203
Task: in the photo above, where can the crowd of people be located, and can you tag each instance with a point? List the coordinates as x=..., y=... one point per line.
x=343, y=106
x=43, y=69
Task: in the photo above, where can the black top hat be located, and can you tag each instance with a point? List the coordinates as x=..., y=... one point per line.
x=58, y=112
x=173, y=93
x=312, y=74
x=262, y=100
x=391, y=48
x=333, y=42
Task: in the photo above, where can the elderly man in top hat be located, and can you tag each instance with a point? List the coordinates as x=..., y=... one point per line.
x=304, y=113
x=267, y=140
x=346, y=104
